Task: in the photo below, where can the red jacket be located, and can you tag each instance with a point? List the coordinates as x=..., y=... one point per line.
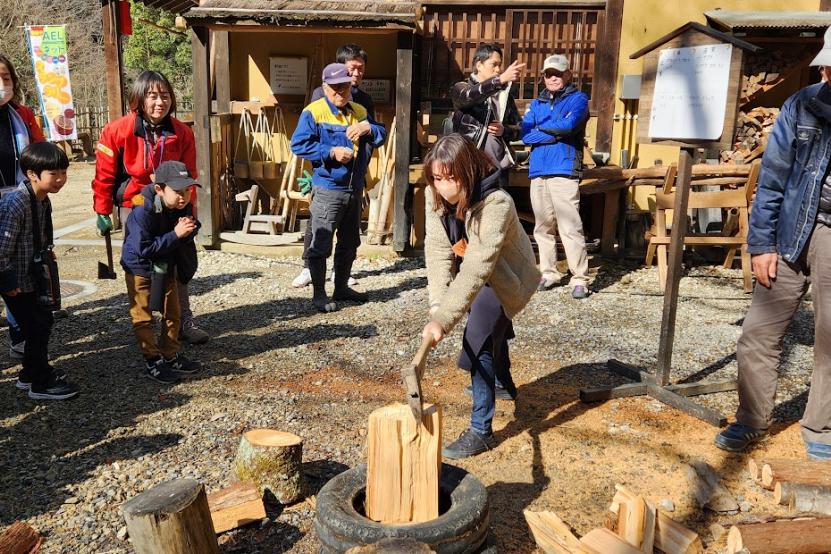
x=28, y=117
x=125, y=160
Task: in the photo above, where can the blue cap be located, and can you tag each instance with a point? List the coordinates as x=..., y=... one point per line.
x=336, y=74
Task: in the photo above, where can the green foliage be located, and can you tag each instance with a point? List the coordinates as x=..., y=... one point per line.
x=150, y=47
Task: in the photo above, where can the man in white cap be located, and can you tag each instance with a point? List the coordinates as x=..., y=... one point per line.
x=554, y=126
x=790, y=244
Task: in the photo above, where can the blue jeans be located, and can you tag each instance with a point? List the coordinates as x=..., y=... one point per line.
x=483, y=380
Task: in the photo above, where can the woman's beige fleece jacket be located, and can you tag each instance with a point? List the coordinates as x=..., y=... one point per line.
x=498, y=253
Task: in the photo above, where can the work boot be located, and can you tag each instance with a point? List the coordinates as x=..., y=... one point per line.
x=343, y=292
x=317, y=269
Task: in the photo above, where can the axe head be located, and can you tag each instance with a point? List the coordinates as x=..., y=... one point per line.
x=412, y=384
x=105, y=272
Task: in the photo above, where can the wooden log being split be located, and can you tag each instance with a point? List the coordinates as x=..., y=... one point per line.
x=603, y=541
x=403, y=465
x=798, y=536
x=20, y=538
x=172, y=518
x=795, y=471
x=670, y=536
x=552, y=534
x=803, y=498
x=235, y=506
x=272, y=460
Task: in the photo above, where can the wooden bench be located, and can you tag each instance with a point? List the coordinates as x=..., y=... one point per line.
x=738, y=198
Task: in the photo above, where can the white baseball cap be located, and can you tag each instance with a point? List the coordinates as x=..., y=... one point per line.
x=555, y=61
x=824, y=56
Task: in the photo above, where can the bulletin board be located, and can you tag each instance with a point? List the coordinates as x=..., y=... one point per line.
x=289, y=74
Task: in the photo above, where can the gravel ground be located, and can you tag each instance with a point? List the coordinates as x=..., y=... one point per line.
x=273, y=362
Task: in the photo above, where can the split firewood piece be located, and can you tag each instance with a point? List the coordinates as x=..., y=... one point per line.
x=552, y=534
x=797, y=536
x=603, y=541
x=172, y=518
x=20, y=538
x=707, y=488
x=670, y=536
x=795, y=471
x=272, y=460
x=636, y=523
x=403, y=464
x=235, y=506
x=803, y=498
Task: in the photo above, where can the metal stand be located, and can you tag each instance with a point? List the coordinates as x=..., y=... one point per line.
x=658, y=385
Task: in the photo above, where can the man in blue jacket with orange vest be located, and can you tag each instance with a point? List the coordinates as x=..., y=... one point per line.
x=554, y=126
x=332, y=134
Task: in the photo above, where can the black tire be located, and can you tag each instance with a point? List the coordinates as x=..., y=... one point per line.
x=461, y=529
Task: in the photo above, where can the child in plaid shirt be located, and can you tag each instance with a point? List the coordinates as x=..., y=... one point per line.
x=44, y=166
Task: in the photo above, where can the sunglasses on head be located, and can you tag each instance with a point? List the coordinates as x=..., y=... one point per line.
x=549, y=73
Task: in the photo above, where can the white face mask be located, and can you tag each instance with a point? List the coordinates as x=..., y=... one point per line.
x=3, y=91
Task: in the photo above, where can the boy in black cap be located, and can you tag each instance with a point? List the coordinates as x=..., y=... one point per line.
x=158, y=250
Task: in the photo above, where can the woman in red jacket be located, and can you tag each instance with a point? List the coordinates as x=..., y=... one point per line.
x=128, y=153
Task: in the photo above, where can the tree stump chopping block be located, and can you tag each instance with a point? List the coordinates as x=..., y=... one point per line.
x=272, y=460
x=172, y=518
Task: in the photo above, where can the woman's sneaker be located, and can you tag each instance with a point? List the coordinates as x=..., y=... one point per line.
x=303, y=279
x=469, y=443
x=24, y=382
x=183, y=366
x=161, y=371
x=55, y=389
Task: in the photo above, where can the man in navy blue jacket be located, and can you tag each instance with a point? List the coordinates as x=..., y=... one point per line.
x=554, y=126
x=789, y=240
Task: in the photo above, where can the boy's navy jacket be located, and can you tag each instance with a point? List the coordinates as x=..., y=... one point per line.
x=149, y=238
x=555, y=128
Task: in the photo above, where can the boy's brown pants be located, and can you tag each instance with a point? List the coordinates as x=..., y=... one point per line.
x=138, y=290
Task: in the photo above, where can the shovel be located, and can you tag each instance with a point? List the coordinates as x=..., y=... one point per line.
x=411, y=376
x=105, y=271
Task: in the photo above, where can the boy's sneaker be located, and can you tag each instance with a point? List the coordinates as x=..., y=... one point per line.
x=183, y=366
x=55, y=389
x=469, y=443
x=737, y=437
x=161, y=371
x=304, y=279
x=818, y=451
x=24, y=382
x=16, y=351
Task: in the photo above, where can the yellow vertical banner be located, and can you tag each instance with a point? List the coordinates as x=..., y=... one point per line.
x=47, y=46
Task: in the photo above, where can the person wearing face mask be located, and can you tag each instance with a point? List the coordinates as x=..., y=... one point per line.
x=18, y=128
x=484, y=110
x=130, y=151
x=554, y=126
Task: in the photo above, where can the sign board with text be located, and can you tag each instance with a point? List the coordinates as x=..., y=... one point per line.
x=289, y=75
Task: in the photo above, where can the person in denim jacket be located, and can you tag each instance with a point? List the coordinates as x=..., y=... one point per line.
x=790, y=244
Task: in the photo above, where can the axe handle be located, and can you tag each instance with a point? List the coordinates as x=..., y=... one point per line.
x=109, y=242
x=421, y=355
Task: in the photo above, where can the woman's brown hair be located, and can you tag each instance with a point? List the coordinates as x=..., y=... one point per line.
x=147, y=81
x=16, y=96
x=459, y=157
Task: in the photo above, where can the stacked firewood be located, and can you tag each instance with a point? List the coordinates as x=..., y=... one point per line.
x=752, y=130
x=804, y=486
x=761, y=72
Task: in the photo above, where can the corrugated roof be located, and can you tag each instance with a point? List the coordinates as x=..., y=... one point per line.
x=727, y=20
x=298, y=12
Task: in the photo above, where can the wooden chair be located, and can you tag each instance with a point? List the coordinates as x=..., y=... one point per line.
x=257, y=223
x=739, y=198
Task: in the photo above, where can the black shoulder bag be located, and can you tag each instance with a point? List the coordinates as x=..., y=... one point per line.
x=44, y=268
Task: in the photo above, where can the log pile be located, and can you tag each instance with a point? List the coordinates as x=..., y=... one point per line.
x=762, y=72
x=634, y=527
x=752, y=130
x=802, y=485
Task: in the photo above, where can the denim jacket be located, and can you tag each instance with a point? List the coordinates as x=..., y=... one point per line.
x=793, y=170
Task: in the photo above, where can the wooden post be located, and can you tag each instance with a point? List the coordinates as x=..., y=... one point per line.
x=172, y=518
x=208, y=234
x=403, y=465
x=272, y=460
x=802, y=536
x=605, y=75
x=112, y=58
x=404, y=124
x=674, y=270
x=221, y=70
